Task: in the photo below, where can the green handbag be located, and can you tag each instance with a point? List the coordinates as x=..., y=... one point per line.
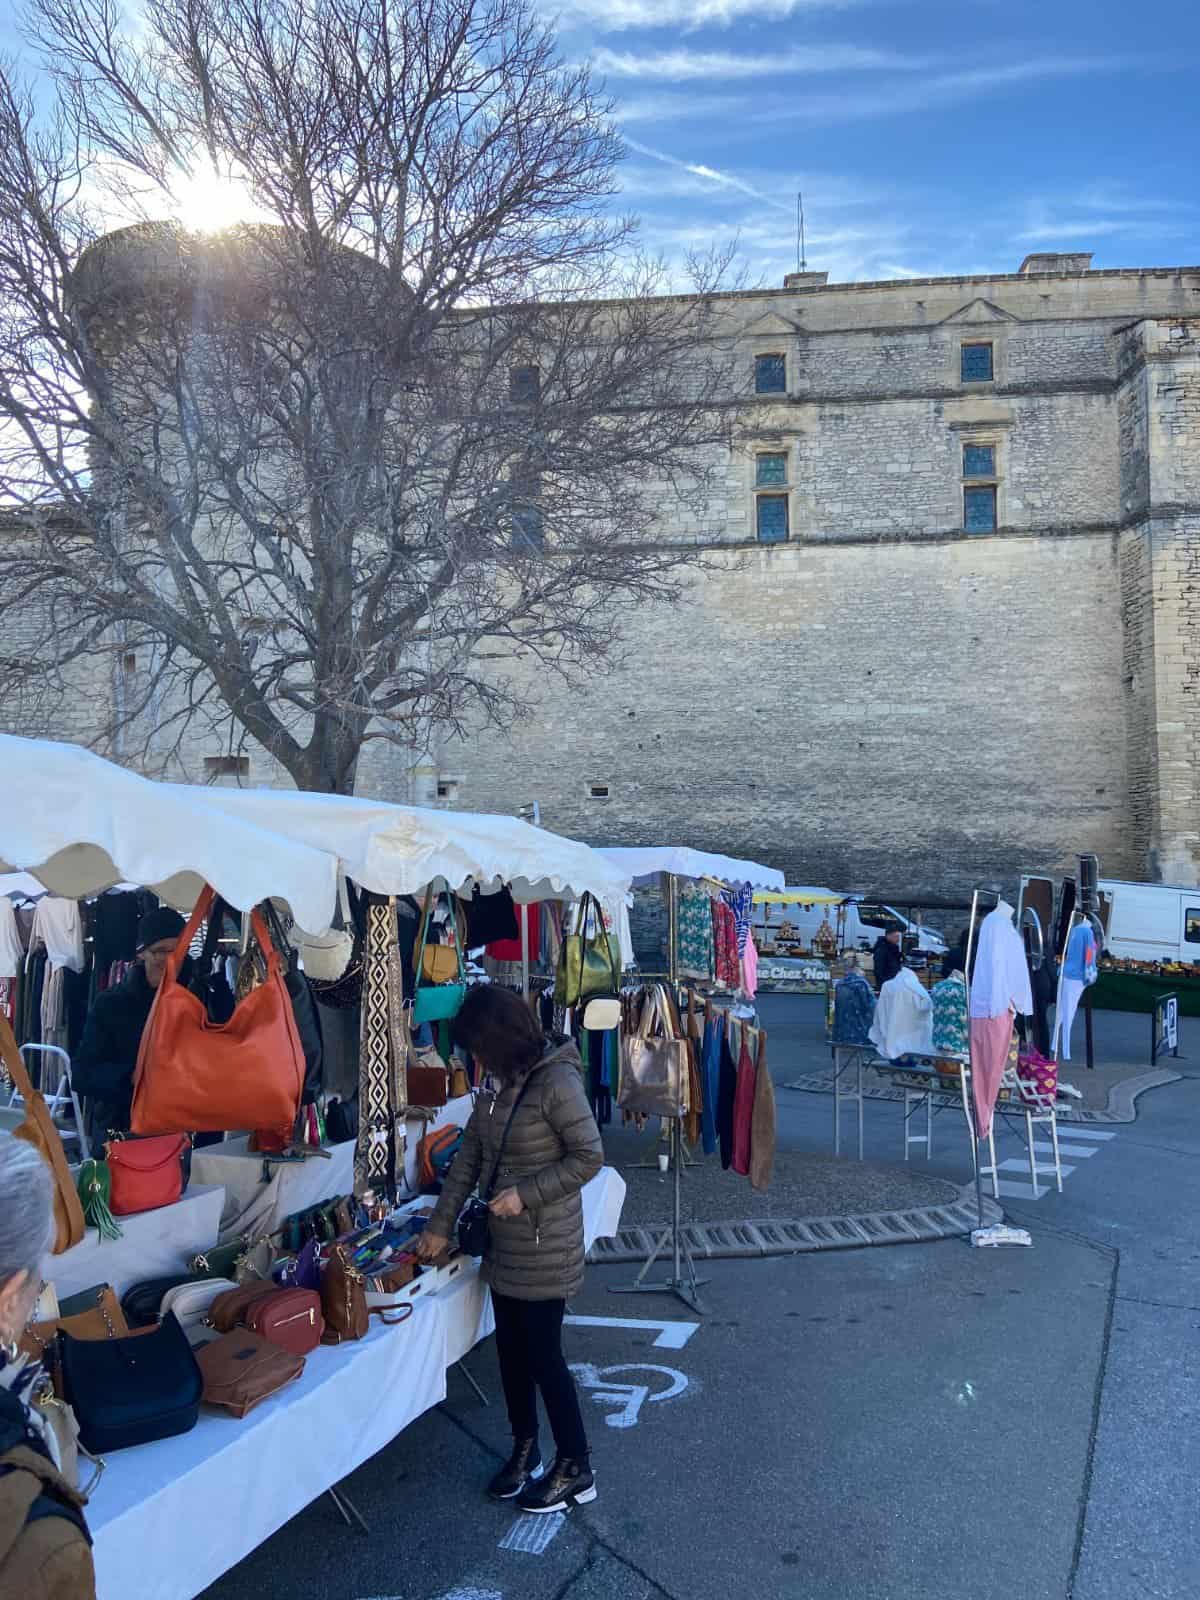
x=589, y=963
x=437, y=1002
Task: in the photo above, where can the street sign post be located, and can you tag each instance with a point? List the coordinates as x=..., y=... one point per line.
x=1164, y=1032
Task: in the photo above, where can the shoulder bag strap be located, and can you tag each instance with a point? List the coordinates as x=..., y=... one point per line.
x=486, y=1194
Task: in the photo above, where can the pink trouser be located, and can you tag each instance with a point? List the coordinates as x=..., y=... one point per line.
x=990, y=1039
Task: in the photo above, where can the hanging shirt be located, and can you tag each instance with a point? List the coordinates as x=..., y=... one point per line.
x=1000, y=981
x=950, y=1033
x=750, y=967
x=1080, y=960
x=728, y=968
x=12, y=951
x=903, y=1022
x=853, y=1010
x=694, y=958
x=57, y=924
x=741, y=903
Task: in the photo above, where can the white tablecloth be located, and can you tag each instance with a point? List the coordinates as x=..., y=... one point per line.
x=152, y=1245
x=168, y=1518
x=255, y=1207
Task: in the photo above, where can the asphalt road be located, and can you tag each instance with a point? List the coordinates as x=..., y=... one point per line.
x=929, y=1421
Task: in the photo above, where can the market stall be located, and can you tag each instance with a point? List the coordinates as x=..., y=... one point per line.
x=224, y=1029
x=722, y=1086
x=155, y=1509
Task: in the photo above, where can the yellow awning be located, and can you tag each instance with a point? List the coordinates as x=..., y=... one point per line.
x=797, y=897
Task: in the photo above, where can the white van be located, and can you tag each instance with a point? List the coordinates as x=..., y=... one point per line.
x=1152, y=921
x=865, y=921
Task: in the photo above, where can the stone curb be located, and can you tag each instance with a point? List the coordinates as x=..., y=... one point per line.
x=1120, y=1108
x=711, y=1241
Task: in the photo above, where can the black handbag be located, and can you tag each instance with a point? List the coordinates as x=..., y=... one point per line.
x=341, y=1121
x=131, y=1391
x=475, y=1217
x=142, y=1302
x=347, y=990
x=490, y=917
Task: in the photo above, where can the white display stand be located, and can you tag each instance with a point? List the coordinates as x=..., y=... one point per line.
x=256, y=1208
x=154, y=1510
x=153, y=1244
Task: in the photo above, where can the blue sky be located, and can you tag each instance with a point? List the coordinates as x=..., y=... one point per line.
x=929, y=136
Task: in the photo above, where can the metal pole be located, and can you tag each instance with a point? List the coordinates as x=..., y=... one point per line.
x=970, y=1059
x=524, y=921
x=677, y=1141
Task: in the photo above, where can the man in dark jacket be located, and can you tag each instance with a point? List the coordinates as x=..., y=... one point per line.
x=107, y=1055
x=888, y=957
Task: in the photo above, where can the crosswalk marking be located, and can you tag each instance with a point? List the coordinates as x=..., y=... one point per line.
x=1080, y=1130
x=1021, y=1191
x=531, y=1535
x=1081, y=1151
x=1013, y=1165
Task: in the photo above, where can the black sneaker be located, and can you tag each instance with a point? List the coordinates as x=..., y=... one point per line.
x=522, y=1467
x=570, y=1482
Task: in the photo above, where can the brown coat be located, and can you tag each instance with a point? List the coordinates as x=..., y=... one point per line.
x=48, y=1558
x=553, y=1149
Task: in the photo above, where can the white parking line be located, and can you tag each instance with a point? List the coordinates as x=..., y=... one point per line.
x=1013, y=1165
x=531, y=1535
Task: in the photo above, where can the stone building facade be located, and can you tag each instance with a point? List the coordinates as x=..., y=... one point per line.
x=945, y=628
x=951, y=633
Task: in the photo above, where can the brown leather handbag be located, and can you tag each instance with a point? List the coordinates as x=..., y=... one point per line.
x=230, y=1308
x=241, y=1370
x=290, y=1318
x=38, y=1130
x=104, y=1320
x=428, y=1079
x=200, y=1076
x=344, y=1302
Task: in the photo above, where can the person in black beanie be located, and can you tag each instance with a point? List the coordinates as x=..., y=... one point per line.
x=107, y=1055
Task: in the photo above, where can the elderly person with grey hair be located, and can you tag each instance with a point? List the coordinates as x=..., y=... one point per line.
x=45, y=1551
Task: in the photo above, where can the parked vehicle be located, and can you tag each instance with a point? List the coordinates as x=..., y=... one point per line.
x=1152, y=921
x=864, y=922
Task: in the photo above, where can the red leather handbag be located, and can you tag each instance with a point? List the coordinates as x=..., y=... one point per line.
x=290, y=1318
x=195, y=1075
x=145, y=1173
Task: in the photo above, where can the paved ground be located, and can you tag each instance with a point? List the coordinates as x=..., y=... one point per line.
x=929, y=1421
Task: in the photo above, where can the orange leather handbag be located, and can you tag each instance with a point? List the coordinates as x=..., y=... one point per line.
x=194, y=1075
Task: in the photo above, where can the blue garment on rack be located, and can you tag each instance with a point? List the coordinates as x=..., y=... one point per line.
x=710, y=1075
x=741, y=902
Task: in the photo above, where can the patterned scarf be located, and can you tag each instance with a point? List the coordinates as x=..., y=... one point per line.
x=26, y=1378
x=383, y=1057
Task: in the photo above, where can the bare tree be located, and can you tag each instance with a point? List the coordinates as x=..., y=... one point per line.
x=316, y=480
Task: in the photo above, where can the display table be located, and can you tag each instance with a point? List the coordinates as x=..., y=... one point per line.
x=155, y=1509
x=153, y=1244
x=256, y=1208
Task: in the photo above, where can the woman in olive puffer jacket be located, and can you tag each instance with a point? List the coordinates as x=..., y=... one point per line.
x=535, y=1255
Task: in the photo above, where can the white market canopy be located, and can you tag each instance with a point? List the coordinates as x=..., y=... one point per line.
x=80, y=825
x=643, y=864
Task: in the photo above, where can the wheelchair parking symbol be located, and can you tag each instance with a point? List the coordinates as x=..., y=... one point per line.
x=625, y=1400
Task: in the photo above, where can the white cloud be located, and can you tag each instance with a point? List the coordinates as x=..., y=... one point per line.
x=697, y=169
x=895, y=98
x=616, y=15
x=686, y=66
x=1097, y=228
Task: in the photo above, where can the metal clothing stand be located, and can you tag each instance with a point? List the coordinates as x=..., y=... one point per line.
x=684, y=1287
x=347, y=1510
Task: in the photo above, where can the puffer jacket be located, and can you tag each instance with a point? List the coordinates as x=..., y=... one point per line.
x=553, y=1149
x=45, y=1552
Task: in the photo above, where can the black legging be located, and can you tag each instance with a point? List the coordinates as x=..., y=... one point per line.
x=529, y=1344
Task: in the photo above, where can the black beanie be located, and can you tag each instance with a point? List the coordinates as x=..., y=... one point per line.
x=161, y=923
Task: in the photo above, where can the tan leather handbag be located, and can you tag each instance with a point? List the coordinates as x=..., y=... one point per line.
x=38, y=1130
x=104, y=1320
x=654, y=1062
x=344, y=1302
x=241, y=1369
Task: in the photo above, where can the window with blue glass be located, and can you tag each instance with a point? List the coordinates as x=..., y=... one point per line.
x=524, y=385
x=770, y=471
x=977, y=366
x=979, y=509
x=527, y=531
x=771, y=516
x=979, y=461
x=770, y=374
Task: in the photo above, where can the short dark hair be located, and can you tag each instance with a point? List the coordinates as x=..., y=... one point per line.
x=499, y=1029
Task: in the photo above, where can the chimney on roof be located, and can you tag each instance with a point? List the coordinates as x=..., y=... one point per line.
x=805, y=280
x=1070, y=262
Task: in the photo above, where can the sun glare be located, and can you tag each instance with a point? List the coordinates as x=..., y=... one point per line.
x=207, y=200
